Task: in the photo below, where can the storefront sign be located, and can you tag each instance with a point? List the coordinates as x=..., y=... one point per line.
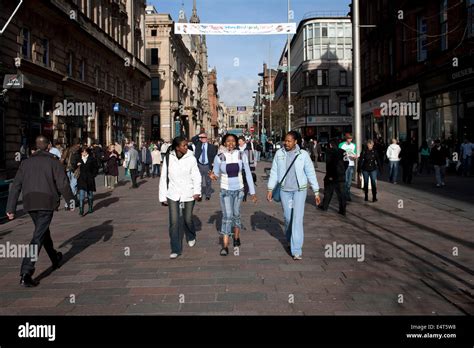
x=462, y=73
x=235, y=29
x=116, y=107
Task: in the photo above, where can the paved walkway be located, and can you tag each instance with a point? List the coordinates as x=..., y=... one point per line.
x=117, y=259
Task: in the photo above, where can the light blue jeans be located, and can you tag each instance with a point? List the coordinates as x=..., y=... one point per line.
x=72, y=182
x=230, y=204
x=348, y=182
x=394, y=167
x=293, y=211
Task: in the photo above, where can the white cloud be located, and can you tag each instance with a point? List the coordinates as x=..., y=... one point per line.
x=237, y=92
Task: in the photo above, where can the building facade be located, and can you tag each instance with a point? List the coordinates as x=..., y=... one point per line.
x=177, y=93
x=321, y=59
x=83, y=83
x=421, y=54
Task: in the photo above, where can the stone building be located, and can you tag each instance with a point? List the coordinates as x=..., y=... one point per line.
x=177, y=93
x=80, y=73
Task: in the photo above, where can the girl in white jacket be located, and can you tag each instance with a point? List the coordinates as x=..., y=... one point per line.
x=180, y=186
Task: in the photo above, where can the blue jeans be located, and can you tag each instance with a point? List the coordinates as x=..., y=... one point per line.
x=175, y=217
x=230, y=204
x=440, y=172
x=394, y=166
x=82, y=194
x=156, y=170
x=466, y=165
x=373, y=177
x=348, y=181
x=293, y=211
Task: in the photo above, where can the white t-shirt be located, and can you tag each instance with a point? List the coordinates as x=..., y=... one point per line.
x=351, y=150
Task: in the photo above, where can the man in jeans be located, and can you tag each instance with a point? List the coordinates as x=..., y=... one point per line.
x=439, y=156
x=132, y=164
x=40, y=177
x=466, y=154
x=393, y=155
x=351, y=155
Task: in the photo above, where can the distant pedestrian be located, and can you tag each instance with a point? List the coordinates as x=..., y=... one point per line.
x=39, y=178
x=55, y=150
x=156, y=162
x=293, y=169
x=131, y=163
x=245, y=147
x=425, y=158
x=231, y=165
x=180, y=187
x=467, y=149
x=112, y=160
x=409, y=157
x=145, y=159
x=88, y=170
x=439, y=157
x=335, y=177
x=351, y=155
x=393, y=155
x=205, y=154
x=370, y=165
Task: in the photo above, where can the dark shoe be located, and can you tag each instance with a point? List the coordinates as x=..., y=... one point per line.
x=374, y=197
x=91, y=206
x=224, y=251
x=28, y=282
x=320, y=207
x=366, y=197
x=208, y=198
x=343, y=213
x=57, y=264
x=237, y=242
x=81, y=211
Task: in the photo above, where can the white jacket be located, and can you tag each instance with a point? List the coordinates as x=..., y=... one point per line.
x=393, y=152
x=156, y=156
x=184, y=178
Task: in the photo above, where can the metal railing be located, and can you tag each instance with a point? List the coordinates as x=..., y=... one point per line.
x=315, y=14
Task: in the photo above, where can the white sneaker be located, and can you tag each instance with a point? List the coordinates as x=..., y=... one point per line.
x=297, y=257
x=173, y=256
x=192, y=243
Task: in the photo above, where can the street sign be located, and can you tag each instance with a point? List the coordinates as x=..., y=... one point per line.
x=241, y=108
x=116, y=107
x=13, y=81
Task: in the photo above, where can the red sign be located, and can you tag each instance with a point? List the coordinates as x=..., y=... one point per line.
x=252, y=130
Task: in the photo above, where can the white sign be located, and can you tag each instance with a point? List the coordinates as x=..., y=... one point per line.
x=235, y=29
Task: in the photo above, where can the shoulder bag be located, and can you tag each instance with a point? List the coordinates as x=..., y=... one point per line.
x=276, y=196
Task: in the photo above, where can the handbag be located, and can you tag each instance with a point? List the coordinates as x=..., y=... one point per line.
x=77, y=173
x=276, y=192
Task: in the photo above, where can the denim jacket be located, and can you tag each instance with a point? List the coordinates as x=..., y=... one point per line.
x=304, y=171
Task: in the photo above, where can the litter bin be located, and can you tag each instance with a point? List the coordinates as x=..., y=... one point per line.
x=4, y=188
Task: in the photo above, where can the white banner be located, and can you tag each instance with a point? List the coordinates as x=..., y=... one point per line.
x=235, y=29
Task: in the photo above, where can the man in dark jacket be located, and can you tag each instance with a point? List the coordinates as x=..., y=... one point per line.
x=335, y=177
x=40, y=178
x=144, y=156
x=409, y=157
x=205, y=154
x=439, y=156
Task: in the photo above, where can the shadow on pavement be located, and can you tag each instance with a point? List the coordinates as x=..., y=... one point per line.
x=82, y=241
x=106, y=202
x=270, y=224
x=217, y=219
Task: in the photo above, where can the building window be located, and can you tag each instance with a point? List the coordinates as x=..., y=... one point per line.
x=25, y=47
x=470, y=18
x=154, y=56
x=309, y=106
x=343, y=78
x=155, y=89
x=45, y=44
x=343, y=106
x=96, y=76
x=82, y=71
x=444, y=24
x=322, y=77
x=422, y=39
x=153, y=32
x=323, y=105
x=70, y=61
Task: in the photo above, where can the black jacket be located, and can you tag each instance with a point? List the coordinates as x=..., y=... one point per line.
x=211, y=153
x=369, y=160
x=40, y=178
x=88, y=172
x=335, y=166
x=438, y=157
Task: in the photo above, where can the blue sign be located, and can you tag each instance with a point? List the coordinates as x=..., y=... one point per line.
x=116, y=107
x=241, y=108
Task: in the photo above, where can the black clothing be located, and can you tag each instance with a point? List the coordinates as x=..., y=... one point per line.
x=335, y=166
x=40, y=178
x=438, y=156
x=88, y=172
x=369, y=160
x=211, y=153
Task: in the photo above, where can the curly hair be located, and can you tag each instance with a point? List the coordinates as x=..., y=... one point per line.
x=224, y=139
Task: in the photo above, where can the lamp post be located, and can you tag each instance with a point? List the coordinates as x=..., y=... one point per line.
x=290, y=108
x=357, y=81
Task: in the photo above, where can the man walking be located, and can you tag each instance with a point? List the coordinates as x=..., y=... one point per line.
x=439, y=157
x=132, y=164
x=393, y=155
x=40, y=178
x=205, y=154
x=145, y=159
x=351, y=155
x=467, y=149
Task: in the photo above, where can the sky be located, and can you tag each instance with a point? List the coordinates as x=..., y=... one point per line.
x=237, y=83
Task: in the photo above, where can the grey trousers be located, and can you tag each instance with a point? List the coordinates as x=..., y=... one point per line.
x=206, y=180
